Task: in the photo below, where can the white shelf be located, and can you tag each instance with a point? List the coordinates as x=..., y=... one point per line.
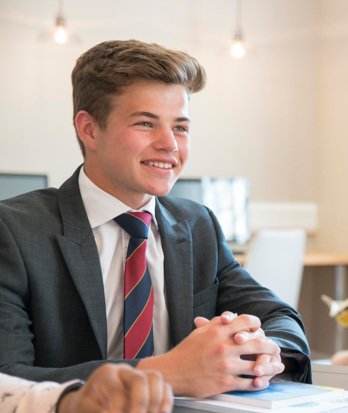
x=326, y=374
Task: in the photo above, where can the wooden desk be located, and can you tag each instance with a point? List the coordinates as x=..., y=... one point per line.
x=326, y=259
x=314, y=259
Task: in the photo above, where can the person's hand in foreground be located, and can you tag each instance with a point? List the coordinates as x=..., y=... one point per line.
x=118, y=388
x=223, y=354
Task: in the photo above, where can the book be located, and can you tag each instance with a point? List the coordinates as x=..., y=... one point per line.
x=280, y=394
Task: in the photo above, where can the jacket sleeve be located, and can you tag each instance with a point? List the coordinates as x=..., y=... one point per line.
x=18, y=352
x=241, y=293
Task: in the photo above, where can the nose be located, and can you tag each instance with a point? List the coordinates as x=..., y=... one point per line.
x=166, y=140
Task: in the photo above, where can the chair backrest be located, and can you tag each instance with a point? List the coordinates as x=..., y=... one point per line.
x=275, y=260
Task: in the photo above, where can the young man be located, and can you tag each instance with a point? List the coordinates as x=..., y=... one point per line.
x=111, y=388
x=63, y=252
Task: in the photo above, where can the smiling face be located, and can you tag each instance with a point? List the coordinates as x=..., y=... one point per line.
x=144, y=145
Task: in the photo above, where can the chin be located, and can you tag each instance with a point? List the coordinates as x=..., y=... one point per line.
x=160, y=191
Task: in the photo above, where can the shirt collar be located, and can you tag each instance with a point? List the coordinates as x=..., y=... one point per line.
x=102, y=207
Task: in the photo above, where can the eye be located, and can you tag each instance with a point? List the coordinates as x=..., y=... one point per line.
x=145, y=123
x=181, y=128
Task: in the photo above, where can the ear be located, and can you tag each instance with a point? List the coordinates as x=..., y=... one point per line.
x=86, y=128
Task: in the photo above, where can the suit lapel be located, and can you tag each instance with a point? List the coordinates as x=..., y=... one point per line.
x=80, y=253
x=178, y=268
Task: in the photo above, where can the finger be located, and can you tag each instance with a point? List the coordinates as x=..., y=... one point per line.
x=235, y=365
x=244, y=322
x=244, y=336
x=227, y=317
x=156, y=391
x=200, y=321
x=137, y=387
x=262, y=382
x=244, y=368
x=250, y=383
x=244, y=384
x=260, y=346
x=167, y=399
x=267, y=365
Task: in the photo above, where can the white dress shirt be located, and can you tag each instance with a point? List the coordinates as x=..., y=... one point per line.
x=24, y=396
x=112, y=244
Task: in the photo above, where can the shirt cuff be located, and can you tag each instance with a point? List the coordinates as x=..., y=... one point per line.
x=24, y=396
x=69, y=388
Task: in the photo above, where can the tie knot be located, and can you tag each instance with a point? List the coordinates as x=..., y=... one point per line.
x=135, y=223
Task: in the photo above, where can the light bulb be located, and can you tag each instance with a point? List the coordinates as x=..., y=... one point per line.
x=238, y=49
x=60, y=33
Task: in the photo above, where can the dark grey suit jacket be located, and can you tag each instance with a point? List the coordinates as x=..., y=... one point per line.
x=52, y=308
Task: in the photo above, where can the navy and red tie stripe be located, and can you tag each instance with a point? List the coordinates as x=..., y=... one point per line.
x=138, y=292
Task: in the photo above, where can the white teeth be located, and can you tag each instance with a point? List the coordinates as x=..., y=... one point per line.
x=163, y=165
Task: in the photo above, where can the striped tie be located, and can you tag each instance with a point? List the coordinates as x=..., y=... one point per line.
x=138, y=293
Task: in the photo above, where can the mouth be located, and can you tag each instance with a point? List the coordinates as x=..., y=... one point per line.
x=161, y=165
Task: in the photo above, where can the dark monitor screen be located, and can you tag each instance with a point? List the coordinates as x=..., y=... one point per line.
x=226, y=197
x=12, y=184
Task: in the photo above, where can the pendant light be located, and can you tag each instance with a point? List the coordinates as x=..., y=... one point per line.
x=239, y=47
x=59, y=33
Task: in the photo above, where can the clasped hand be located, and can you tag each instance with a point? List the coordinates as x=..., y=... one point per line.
x=255, y=359
x=226, y=353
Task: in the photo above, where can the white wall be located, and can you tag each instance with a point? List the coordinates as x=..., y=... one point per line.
x=276, y=117
x=333, y=170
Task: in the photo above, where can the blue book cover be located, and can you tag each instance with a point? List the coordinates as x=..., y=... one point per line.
x=280, y=394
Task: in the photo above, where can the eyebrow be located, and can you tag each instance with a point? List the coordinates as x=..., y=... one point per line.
x=153, y=116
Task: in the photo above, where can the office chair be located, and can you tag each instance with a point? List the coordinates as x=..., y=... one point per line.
x=275, y=260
